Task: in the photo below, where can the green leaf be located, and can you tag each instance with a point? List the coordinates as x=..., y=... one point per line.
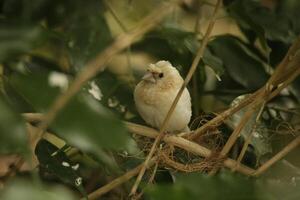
x=246, y=22
x=179, y=47
x=272, y=24
x=214, y=62
x=18, y=39
x=21, y=189
x=13, y=135
x=55, y=162
x=199, y=186
x=35, y=89
x=239, y=61
x=117, y=94
x=261, y=136
x=87, y=31
x=84, y=122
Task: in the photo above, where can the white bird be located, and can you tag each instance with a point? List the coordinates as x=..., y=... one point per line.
x=155, y=94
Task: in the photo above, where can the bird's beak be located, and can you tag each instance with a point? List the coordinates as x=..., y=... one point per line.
x=149, y=77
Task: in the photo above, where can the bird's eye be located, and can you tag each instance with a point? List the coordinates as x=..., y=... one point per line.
x=160, y=75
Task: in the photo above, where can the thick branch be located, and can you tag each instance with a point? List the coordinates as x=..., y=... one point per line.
x=186, y=145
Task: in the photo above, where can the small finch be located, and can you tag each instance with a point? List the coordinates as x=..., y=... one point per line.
x=155, y=94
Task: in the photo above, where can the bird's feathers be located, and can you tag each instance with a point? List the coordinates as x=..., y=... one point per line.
x=153, y=99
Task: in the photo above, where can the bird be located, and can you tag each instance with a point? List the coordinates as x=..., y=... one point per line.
x=155, y=93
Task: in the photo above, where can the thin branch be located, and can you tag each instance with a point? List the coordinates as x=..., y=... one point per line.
x=115, y=16
x=232, y=139
x=118, y=181
x=295, y=143
x=185, y=144
x=224, y=115
x=33, y=117
x=123, y=27
x=98, y=63
x=186, y=81
x=249, y=138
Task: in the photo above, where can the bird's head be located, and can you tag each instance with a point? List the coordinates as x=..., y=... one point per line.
x=162, y=70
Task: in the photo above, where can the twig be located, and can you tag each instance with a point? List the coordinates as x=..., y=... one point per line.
x=123, y=27
x=185, y=144
x=235, y=134
x=33, y=117
x=115, y=16
x=249, y=138
x=224, y=115
x=295, y=143
x=186, y=81
x=150, y=181
x=98, y=63
x=118, y=181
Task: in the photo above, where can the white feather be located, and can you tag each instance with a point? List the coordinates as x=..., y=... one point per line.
x=154, y=99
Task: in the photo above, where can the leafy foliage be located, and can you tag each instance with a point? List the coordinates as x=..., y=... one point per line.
x=55, y=162
x=223, y=186
x=24, y=189
x=45, y=44
x=12, y=130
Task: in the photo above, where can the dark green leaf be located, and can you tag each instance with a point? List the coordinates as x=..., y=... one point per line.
x=17, y=39
x=261, y=136
x=13, y=135
x=239, y=62
x=87, y=31
x=117, y=94
x=99, y=129
x=84, y=122
x=55, y=162
x=21, y=189
x=179, y=47
x=265, y=22
x=214, y=62
x=32, y=86
x=200, y=186
x=246, y=22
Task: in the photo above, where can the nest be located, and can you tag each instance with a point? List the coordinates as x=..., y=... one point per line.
x=183, y=161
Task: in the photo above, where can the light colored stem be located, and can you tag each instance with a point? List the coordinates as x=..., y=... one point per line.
x=118, y=181
x=295, y=143
x=115, y=16
x=195, y=63
x=249, y=138
x=235, y=134
x=33, y=117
